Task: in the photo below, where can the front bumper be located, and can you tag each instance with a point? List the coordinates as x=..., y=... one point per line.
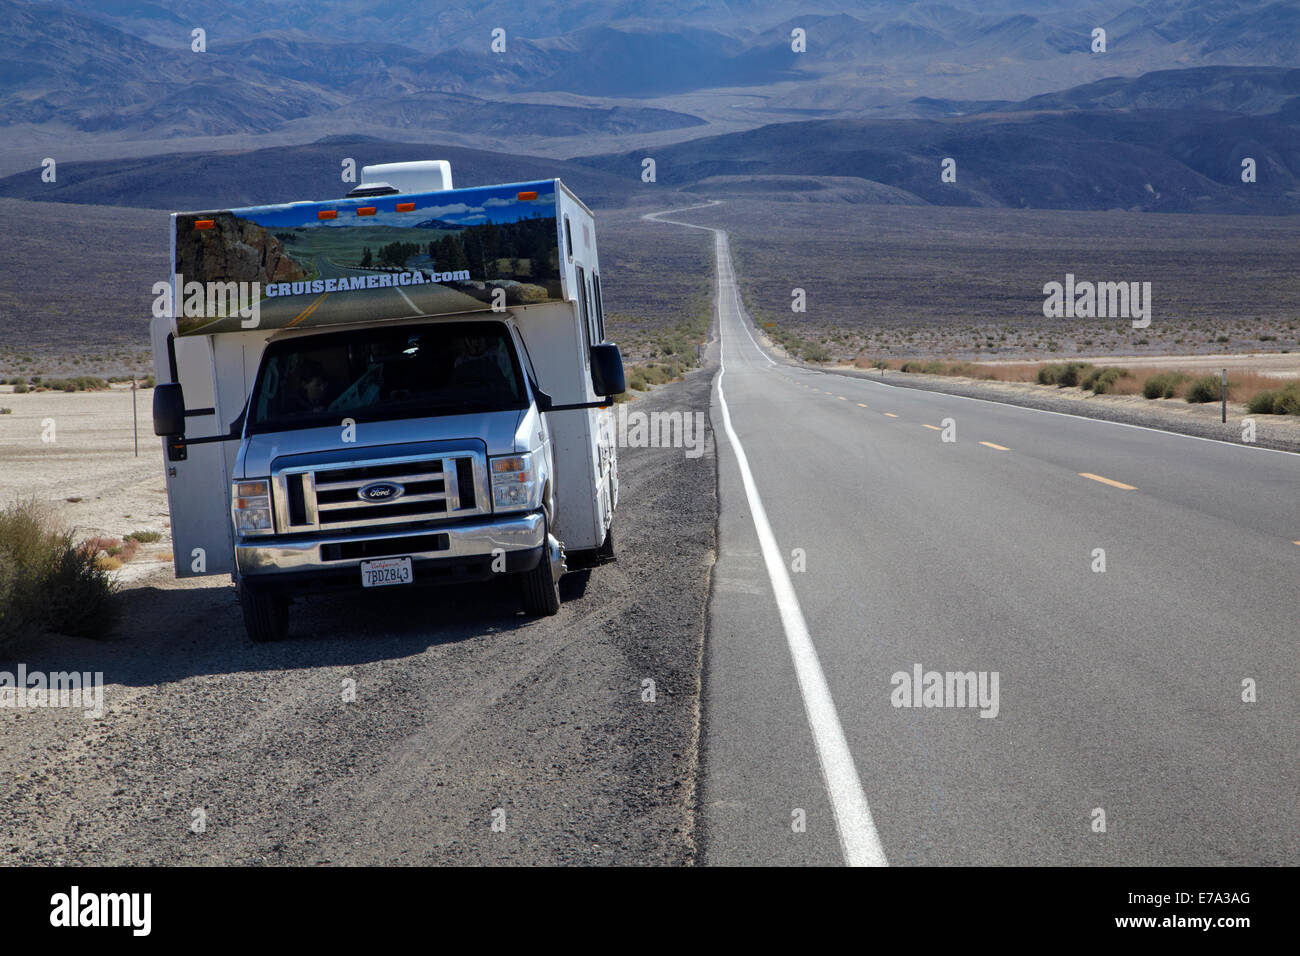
x=439, y=554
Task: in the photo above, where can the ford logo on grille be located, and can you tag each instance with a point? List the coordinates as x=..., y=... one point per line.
x=380, y=491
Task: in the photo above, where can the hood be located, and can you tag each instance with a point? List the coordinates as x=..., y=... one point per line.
x=495, y=430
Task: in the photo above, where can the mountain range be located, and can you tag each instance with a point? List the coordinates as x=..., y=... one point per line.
x=1098, y=146
x=124, y=70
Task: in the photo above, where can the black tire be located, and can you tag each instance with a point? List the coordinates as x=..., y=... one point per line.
x=605, y=553
x=539, y=587
x=266, y=614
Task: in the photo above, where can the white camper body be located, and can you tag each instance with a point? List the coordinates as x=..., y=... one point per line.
x=261, y=501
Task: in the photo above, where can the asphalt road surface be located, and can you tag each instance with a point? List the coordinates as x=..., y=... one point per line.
x=857, y=543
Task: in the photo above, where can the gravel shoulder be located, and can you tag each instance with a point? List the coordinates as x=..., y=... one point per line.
x=463, y=707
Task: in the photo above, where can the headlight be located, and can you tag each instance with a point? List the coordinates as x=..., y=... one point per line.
x=514, y=484
x=251, y=507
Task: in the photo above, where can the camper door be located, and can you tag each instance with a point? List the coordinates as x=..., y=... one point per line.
x=198, y=488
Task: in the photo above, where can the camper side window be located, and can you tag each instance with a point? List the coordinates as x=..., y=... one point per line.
x=583, y=310
x=599, y=307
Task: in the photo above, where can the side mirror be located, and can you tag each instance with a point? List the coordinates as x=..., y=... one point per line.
x=168, y=410
x=607, y=376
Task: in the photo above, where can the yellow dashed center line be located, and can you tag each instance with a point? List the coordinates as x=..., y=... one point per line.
x=933, y=427
x=998, y=447
x=843, y=399
x=1107, y=481
x=860, y=405
x=890, y=415
x=307, y=311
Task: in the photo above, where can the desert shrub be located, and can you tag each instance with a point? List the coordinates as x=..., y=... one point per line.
x=1101, y=381
x=1261, y=403
x=1072, y=372
x=1049, y=374
x=1288, y=400
x=1164, y=385
x=660, y=373
x=1204, y=389
x=46, y=581
x=814, y=352
x=21, y=389
x=1063, y=376
x=1283, y=401
x=6, y=411
x=81, y=383
x=145, y=537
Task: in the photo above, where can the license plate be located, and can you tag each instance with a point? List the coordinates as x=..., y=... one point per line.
x=385, y=571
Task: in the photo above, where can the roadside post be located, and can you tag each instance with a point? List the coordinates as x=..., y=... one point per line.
x=135, y=419
x=1223, y=396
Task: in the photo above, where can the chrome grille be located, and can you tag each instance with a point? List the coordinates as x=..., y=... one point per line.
x=326, y=497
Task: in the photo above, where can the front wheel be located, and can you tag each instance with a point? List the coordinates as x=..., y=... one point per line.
x=266, y=613
x=540, y=587
x=605, y=553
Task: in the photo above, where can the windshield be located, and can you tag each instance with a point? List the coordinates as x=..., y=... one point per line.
x=381, y=373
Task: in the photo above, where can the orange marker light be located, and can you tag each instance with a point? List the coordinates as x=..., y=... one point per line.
x=527, y=195
x=365, y=210
x=327, y=214
x=406, y=207
x=204, y=224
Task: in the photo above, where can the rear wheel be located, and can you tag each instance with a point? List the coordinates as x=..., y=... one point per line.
x=540, y=587
x=266, y=613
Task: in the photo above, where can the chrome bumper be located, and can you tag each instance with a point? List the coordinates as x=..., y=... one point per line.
x=266, y=557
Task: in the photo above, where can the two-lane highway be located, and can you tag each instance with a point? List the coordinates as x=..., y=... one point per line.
x=1120, y=604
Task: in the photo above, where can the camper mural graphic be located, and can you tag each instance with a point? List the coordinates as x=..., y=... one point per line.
x=322, y=263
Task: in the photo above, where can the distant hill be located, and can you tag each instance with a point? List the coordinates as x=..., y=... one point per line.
x=812, y=189
x=192, y=181
x=1158, y=160
x=1256, y=91
x=67, y=69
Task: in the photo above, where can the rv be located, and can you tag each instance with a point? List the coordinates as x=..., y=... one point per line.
x=407, y=386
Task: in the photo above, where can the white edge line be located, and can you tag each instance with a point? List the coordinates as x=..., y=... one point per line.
x=857, y=831
x=407, y=298
x=1043, y=411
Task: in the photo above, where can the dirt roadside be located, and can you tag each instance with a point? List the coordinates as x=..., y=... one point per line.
x=463, y=705
x=76, y=451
